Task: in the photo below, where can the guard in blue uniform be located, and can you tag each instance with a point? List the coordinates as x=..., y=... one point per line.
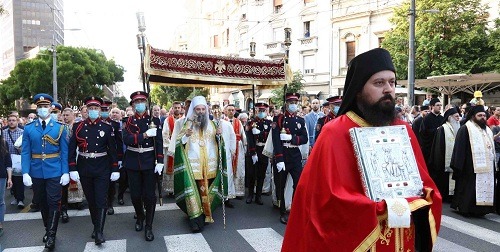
x=143, y=160
x=334, y=103
x=44, y=160
x=105, y=108
x=289, y=132
x=260, y=130
x=95, y=164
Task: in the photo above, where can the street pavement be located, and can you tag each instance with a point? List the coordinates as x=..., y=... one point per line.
x=249, y=227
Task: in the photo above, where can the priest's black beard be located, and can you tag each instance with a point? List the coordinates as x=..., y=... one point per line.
x=480, y=122
x=380, y=113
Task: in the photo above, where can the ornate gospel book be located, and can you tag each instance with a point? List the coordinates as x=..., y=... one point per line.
x=386, y=162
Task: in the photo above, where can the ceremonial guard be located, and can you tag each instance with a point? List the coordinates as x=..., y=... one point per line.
x=334, y=103
x=96, y=162
x=288, y=133
x=143, y=160
x=260, y=130
x=44, y=161
x=117, y=130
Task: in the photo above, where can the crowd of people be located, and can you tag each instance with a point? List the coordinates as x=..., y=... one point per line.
x=207, y=155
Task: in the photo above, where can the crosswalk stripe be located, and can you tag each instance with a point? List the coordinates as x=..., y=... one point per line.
x=493, y=217
x=443, y=245
x=85, y=212
x=186, y=243
x=25, y=249
x=471, y=229
x=108, y=246
x=262, y=239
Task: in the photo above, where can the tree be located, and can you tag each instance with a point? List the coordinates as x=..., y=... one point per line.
x=2, y=10
x=455, y=40
x=198, y=92
x=293, y=87
x=122, y=102
x=166, y=95
x=494, y=41
x=80, y=72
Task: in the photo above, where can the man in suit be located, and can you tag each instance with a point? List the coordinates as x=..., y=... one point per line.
x=44, y=160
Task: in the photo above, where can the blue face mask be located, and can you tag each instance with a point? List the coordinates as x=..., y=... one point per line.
x=292, y=108
x=42, y=112
x=336, y=110
x=261, y=115
x=104, y=114
x=93, y=114
x=140, y=107
x=53, y=117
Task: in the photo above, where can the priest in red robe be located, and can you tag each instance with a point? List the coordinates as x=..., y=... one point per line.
x=330, y=211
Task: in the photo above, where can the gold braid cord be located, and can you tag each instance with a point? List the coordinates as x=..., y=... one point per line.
x=51, y=140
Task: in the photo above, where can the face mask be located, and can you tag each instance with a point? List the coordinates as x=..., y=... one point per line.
x=30, y=120
x=140, y=107
x=42, y=112
x=93, y=114
x=104, y=115
x=292, y=108
x=261, y=115
x=336, y=110
x=53, y=117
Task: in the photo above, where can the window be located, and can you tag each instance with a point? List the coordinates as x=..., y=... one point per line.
x=243, y=16
x=307, y=29
x=278, y=34
x=350, y=51
x=380, y=40
x=277, y=6
x=309, y=64
x=216, y=41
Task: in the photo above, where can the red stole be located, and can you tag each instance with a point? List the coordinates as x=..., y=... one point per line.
x=330, y=210
x=237, y=128
x=170, y=166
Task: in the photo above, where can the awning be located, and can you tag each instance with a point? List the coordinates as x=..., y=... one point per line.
x=266, y=96
x=313, y=92
x=404, y=91
x=172, y=68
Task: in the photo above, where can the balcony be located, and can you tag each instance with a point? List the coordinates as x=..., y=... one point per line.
x=308, y=44
x=275, y=49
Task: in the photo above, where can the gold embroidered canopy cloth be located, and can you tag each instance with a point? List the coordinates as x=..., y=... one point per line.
x=173, y=68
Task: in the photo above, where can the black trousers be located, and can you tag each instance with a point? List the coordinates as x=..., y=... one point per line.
x=111, y=193
x=18, y=187
x=96, y=192
x=257, y=172
x=122, y=182
x=47, y=195
x=142, y=189
x=64, y=197
x=293, y=165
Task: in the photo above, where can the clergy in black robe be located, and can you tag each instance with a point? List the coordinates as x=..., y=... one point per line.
x=417, y=122
x=468, y=177
x=430, y=123
x=441, y=152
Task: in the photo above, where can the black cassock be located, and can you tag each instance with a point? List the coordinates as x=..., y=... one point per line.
x=464, y=199
x=437, y=165
x=430, y=123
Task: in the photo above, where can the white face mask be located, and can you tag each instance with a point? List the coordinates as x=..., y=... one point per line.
x=42, y=112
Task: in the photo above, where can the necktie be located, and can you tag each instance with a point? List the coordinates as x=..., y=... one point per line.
x=44, y=124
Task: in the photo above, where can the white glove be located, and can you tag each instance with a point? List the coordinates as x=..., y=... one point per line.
x=255, y=131
x=115, y=176
x=27, y=179
x=64, y=179
x=280, y=166
x=159, y=168
x=255, y=158
x=151, y=132
x=285, y=137
x=120, y=164
x=74, y=176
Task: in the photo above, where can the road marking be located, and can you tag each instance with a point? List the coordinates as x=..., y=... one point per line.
x=443, y=245
x=108, y=246
x=493, y=217
x=471, y=229
x=186, y=243
x=25, y=249
x=262, y=239
x=85, y=212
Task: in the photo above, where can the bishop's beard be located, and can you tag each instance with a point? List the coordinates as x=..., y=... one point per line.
x=455, y=125
x=481, y=122
x=381, y=113
x=201, y=120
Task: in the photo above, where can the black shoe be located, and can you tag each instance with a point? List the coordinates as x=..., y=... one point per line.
x=148, y=234
x=44, y=239
x=258, y=200
x=111, y=211
x=101, y=219
x=197, y=224
x=139, y=224
x=239, y=197
x=284, y=218
x=51, y=234
x=93, y=234
x=121, y=202
x=64, y=216
x=229, y=204
x=249, y=200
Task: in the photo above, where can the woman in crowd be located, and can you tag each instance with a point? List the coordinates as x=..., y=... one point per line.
x=5, y=177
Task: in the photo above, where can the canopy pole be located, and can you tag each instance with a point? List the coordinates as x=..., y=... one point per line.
x=253, y=99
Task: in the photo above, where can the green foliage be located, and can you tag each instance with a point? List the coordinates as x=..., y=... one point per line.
x=80, y=73
x=165, y=95
x=293, y=87
x=199, y=92
x=122, y=102
x=455, y=40
x=494, y=41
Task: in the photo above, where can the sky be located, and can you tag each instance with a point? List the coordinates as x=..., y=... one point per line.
x=111, y=26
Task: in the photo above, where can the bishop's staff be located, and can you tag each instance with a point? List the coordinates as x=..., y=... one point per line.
x=219, y=146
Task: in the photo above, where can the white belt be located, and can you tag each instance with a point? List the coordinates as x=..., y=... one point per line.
x=92, y=154
x=140, y=149
x=288, y=145
x=260, y=144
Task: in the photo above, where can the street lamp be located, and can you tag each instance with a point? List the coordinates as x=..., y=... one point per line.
x=288, y=42
x=252, y=49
